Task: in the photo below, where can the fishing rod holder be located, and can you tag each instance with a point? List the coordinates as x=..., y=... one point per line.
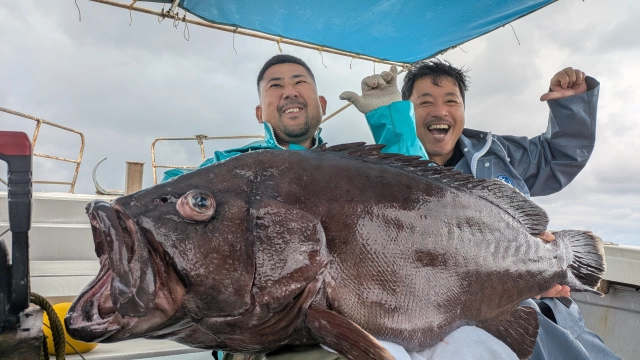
x=16, y=151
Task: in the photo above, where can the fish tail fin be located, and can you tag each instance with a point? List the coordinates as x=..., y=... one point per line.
x=587, y=262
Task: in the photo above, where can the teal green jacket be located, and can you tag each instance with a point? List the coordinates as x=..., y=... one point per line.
x=389, y=125
x=395, y=126
x=269, y=142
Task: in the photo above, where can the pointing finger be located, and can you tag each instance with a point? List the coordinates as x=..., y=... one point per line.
x=551, y=95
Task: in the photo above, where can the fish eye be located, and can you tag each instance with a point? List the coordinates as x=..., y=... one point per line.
x=200, y=202
x=196, y=205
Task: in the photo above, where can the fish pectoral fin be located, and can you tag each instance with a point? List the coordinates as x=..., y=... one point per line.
x=290, y=250
x=344, y=336
x=518, y=331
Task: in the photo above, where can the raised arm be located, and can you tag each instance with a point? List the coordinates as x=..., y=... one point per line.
x=390, y=119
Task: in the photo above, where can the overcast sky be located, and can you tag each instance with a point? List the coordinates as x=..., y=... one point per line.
x=123, y=86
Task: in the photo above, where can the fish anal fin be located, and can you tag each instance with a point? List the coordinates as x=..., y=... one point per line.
x=344, y=336
x=518, y=331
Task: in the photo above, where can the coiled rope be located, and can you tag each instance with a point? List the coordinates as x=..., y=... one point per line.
x=57, y=331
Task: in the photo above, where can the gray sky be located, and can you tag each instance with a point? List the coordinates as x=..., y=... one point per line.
x=123, y=86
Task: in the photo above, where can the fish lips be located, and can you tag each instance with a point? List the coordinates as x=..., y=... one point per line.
x=126, y=247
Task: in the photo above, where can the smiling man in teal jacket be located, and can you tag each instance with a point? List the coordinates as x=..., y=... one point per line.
x=291, y=111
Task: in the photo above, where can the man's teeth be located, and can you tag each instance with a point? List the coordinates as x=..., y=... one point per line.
x=438, y=127
x=292, y=110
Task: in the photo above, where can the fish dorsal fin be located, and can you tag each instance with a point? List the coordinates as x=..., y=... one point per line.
x=506, y=197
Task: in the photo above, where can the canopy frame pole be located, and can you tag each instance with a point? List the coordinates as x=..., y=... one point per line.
x=172, y=10
x=251, y=33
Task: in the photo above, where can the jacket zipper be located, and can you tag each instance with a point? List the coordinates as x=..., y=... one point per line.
x=476, y=156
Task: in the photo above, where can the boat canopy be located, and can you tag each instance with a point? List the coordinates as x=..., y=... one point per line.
x=401, y=31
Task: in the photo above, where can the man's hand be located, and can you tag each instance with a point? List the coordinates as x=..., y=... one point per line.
x=567, y=82
x=377, y=90
x=547, y=236
x=557, y=290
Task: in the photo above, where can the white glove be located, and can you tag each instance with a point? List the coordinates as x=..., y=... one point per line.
x=377, y=90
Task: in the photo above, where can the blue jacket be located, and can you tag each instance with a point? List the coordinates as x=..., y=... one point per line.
x=538, y=166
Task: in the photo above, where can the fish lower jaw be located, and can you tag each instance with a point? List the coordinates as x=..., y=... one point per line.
x=89, y=319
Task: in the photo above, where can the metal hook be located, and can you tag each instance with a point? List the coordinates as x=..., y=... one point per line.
x=99, y=189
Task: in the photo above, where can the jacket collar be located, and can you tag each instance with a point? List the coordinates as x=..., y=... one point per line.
x=270, y=139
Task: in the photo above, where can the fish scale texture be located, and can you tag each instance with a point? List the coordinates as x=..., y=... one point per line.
x=372, y=244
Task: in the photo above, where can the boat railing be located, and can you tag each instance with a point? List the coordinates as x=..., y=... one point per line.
x=200, y=139
x=34, y=140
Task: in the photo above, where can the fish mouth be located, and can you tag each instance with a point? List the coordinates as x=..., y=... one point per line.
x=134, y=292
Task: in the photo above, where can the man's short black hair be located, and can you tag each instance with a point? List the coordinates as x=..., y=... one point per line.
x=435, y=69
x=282, y=59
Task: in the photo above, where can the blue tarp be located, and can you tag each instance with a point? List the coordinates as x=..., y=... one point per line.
x=393, y=30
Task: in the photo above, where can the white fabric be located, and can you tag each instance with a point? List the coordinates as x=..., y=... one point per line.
x=465, y=343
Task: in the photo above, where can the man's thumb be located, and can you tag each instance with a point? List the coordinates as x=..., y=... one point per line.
x=350, y=96
x=551, y=95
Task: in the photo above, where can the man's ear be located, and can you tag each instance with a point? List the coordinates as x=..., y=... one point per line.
x=323, y=104
x=259, y=114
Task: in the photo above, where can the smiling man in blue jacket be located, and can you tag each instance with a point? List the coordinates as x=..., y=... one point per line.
x=433, y=102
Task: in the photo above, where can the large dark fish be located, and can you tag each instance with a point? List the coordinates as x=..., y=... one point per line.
x=336, y=246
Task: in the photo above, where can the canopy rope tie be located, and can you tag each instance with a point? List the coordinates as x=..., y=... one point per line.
x=57, y=331
x=161, y=18
x=176, y=20
x=79, y=15
x=321, y=57
x=279, y=47
x=351, y=63
x=185, y=32
x=130, y=11
x=234, y=40
x=514, y=33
